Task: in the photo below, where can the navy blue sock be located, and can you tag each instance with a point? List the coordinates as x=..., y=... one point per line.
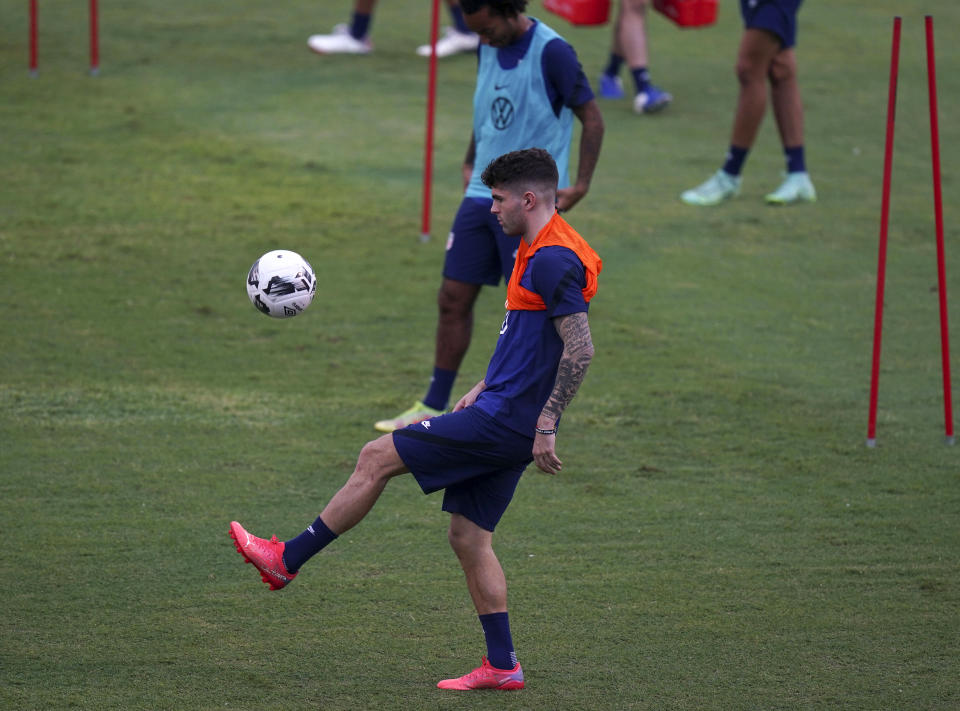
x=441, y=385
x=299, y=550
x=496, y=630
x=795, y=160
x=456, y=14
x=641, y=77
x=613, y=66
x=735, y=160
x=359, y=25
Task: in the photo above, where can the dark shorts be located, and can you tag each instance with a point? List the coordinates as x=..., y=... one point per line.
x=477, y=461
x=477, y=250
x=776, y=16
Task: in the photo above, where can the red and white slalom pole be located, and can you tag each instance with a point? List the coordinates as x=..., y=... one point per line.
x=884, y=222
x=884, y=225
x=431, y=110
x=938, y=215
x=94, y=38
x=33, y=38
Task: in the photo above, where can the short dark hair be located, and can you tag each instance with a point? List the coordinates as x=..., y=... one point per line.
x=504, y=8
x=531, y=167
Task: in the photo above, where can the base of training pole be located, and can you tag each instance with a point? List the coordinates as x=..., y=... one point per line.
x=948, y=441
x=872, y=442
x=424, y=236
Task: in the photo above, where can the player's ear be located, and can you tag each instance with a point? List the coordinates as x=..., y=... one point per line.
x=529, y=200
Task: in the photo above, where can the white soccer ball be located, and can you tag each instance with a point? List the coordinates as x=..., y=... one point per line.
x=281, y=284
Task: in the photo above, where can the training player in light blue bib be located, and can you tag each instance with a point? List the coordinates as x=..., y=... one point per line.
x=512, y=109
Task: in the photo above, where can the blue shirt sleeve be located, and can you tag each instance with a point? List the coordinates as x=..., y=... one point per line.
x=558, y=276
x=567, y=85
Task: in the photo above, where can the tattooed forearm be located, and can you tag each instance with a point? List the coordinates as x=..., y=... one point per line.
x=574, y=330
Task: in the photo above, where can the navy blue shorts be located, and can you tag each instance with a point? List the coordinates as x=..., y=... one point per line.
x=477, y=461
x=477, y=250
x=776, y=16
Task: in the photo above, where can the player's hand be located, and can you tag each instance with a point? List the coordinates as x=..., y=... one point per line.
x=471, y=397
x=568, y=197
x=545, y=455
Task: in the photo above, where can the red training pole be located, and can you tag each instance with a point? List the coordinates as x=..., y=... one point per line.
x=938, y=213
x=431, y=109
x=884, y=223
x=33, y=38
x=94, y=40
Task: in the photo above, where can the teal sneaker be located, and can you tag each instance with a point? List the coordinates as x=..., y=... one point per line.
x=418, y=413
x=719, y=187
x=796, y=187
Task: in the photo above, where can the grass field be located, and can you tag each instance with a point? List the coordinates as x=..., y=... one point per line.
x=720, y=538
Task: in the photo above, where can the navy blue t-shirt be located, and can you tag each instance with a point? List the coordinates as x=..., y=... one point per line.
x=523, y=369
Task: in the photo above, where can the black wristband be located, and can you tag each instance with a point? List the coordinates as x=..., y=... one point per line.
x=546, y=432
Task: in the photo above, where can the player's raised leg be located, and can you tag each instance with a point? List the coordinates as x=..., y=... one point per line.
x=378, y=463
x=280, y=561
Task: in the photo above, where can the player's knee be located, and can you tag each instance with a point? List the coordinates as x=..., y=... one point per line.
x=372, y=462
x=747, y=71
x=368, y=453
x=452, y=302
x=782, y=69
x=459, y=540
x=456, y=539
x=445, y=301
x=466, y=538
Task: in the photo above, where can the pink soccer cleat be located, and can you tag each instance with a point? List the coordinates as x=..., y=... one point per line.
x=486, y=677
x=266, y=555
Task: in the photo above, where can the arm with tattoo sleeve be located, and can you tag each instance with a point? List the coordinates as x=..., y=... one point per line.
x=574, y=330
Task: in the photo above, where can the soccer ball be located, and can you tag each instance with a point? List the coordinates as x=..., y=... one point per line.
x=281, y=284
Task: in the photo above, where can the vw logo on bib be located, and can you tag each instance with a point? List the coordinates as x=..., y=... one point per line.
x=501, y=110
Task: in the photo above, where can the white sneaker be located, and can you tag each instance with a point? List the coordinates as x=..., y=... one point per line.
x=718, y=187
x=452, y=42
x=340, y=41
x=796, y=187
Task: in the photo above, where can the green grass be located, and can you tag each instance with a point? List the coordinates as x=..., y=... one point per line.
x=720, y=537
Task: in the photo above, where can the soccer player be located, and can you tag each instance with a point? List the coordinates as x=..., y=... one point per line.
x=766, y=56
x=530, y=86
x=477, y=453
x=630, y=46
x=354, y=38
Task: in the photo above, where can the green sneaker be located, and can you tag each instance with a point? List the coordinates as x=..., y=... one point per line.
x=796, y=187
x=719, y=187
x=418, y=413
